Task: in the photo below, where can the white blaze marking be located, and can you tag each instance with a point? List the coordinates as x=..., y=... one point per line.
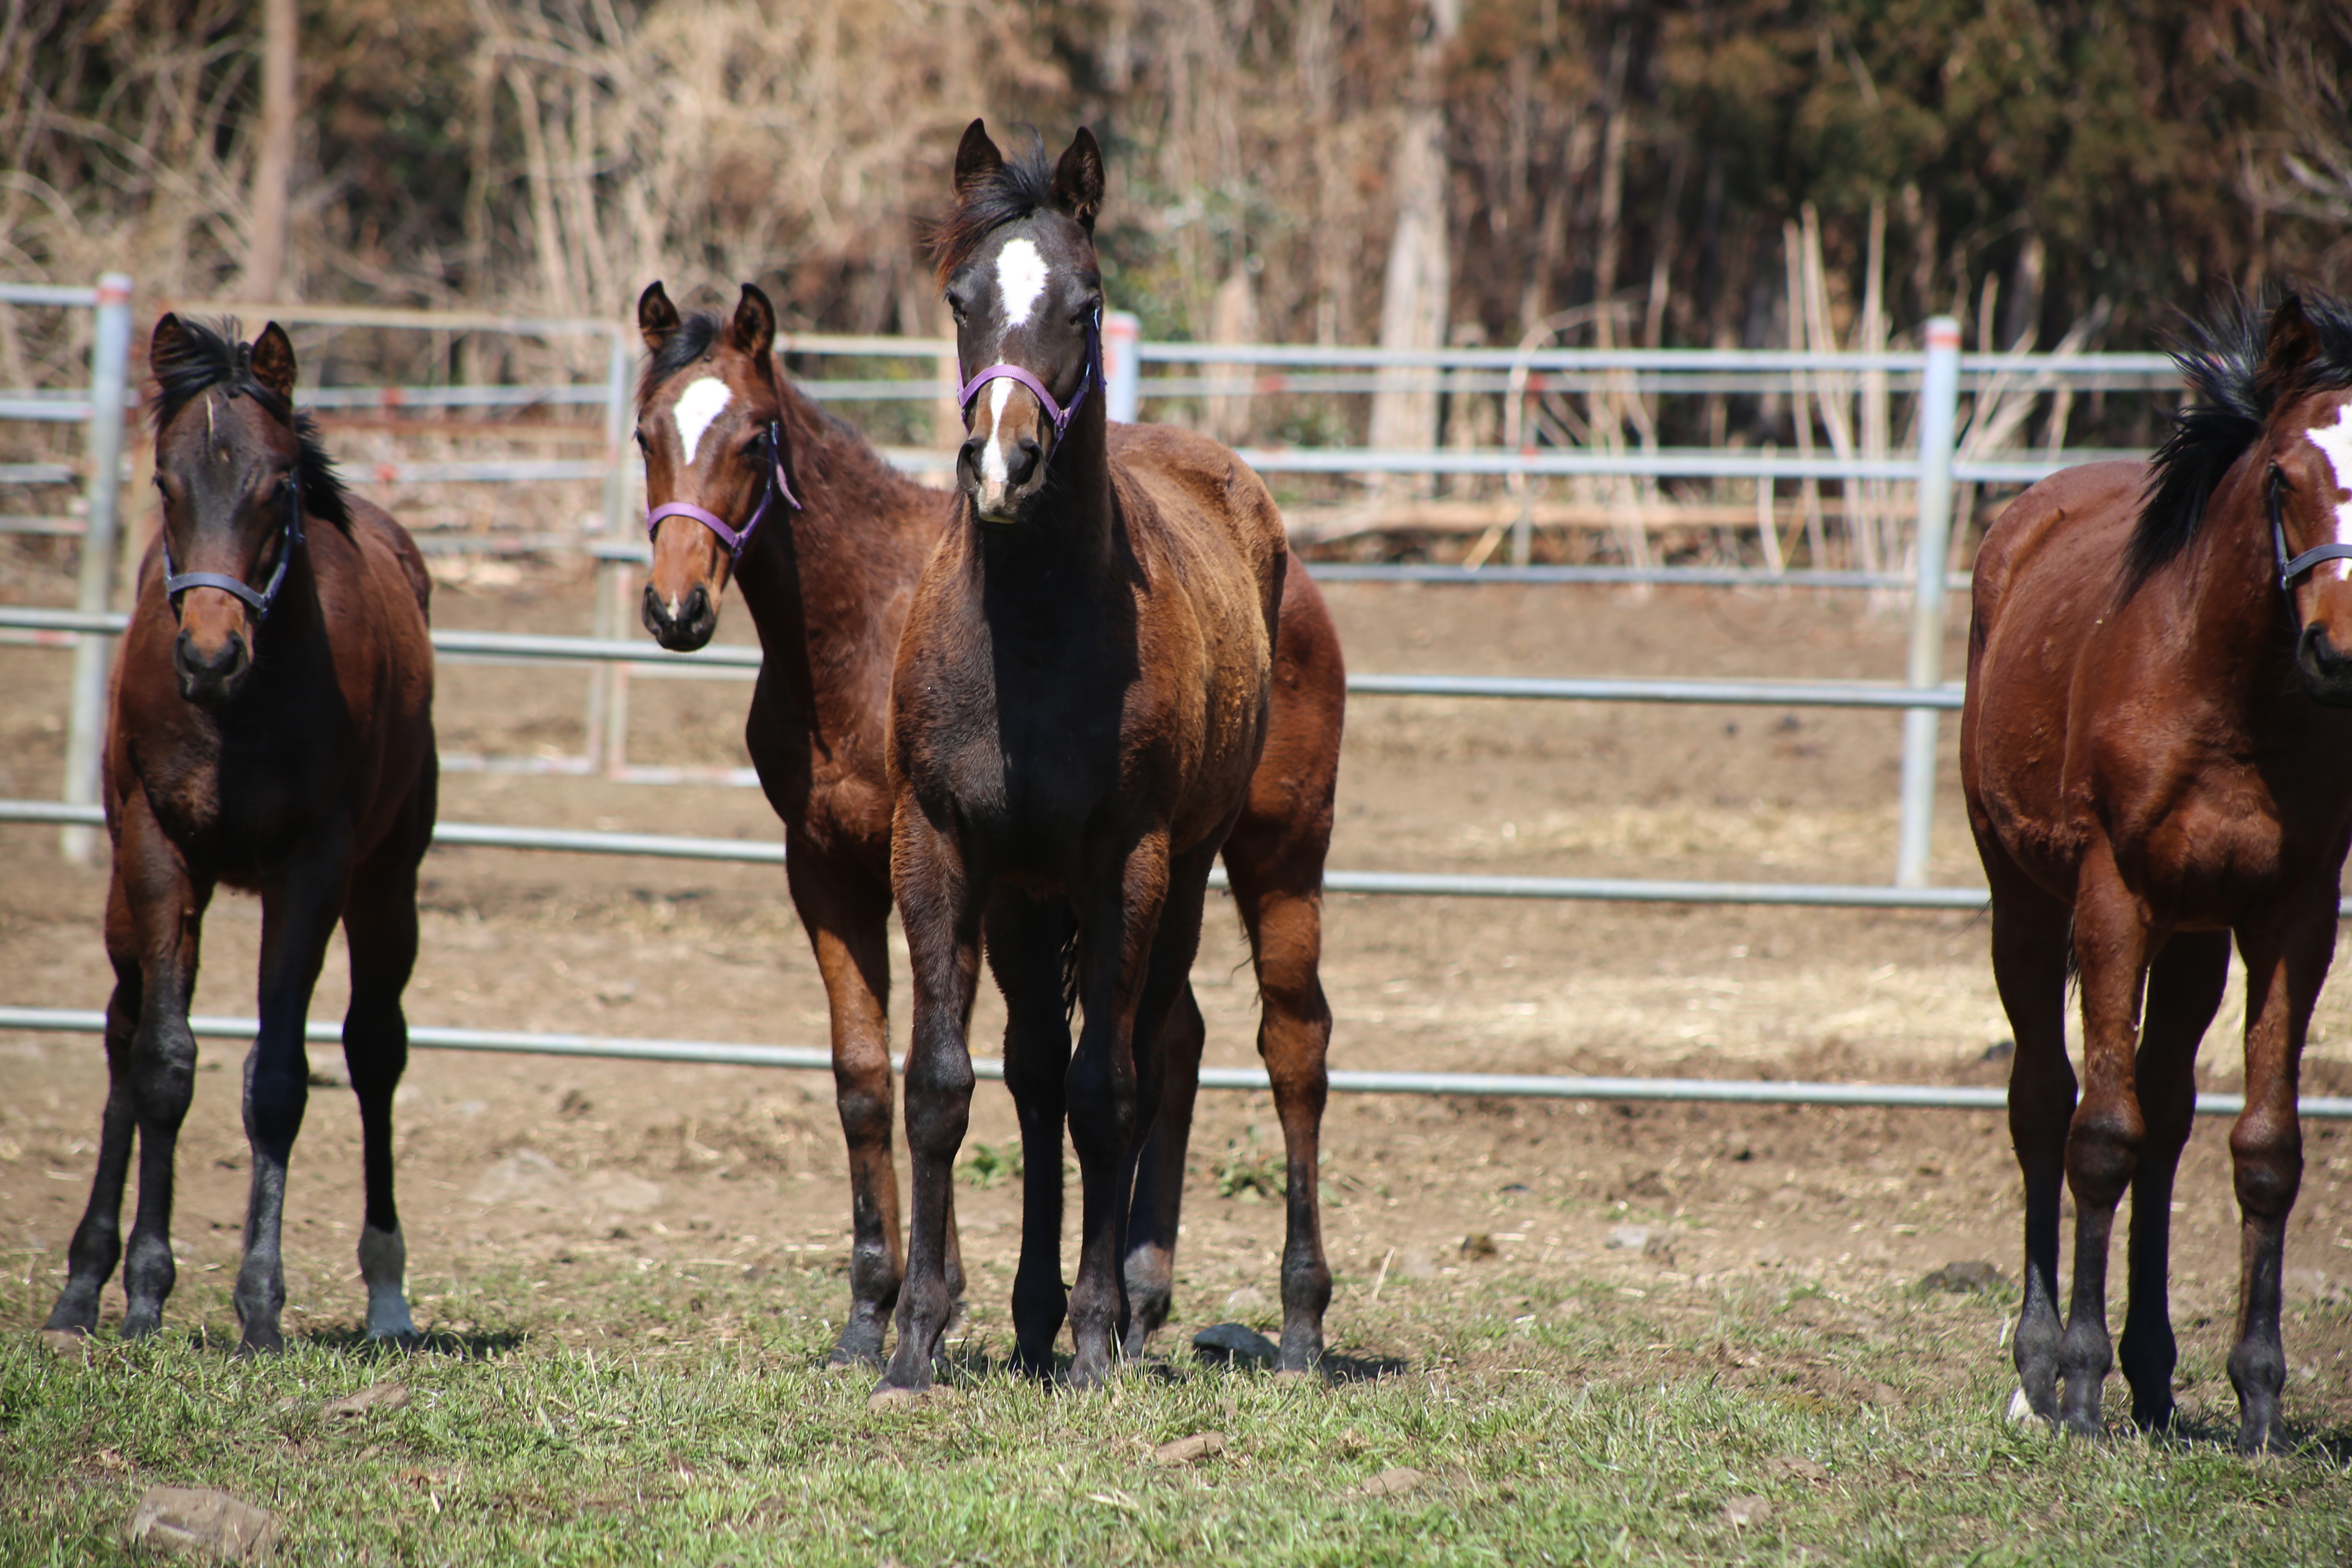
x=1020, y=279
x=991, y=456
x=2336, y=440
x=698, y=405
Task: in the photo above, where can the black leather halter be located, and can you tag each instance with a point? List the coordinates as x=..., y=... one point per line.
x=178, y=583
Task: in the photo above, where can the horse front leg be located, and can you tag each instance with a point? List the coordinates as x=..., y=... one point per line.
x=1155, y=1216
x=298, y=916
x=1121, y=915
x=380, y=928
x=848, y=924
x=2184, y=988
x=154, y=918
x=1025, y=940
x=940, y=908
x=2028, y=966
x=2108, y=1129
x=2285, y=970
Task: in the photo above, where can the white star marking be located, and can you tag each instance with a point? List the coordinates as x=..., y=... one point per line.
x=698, y=405
x=2336, y=440
x=1020, y=281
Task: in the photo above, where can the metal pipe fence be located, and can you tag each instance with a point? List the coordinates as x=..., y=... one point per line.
x=1495, y=1086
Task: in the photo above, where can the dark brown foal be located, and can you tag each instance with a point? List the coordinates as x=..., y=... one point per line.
x=2155, y=752
x=272, y=730
x=827, y=573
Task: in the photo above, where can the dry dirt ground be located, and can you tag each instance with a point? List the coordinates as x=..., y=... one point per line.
x=551, y=1165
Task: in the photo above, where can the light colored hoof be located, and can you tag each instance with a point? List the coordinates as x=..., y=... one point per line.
x=2020, y=1410
x=885, y=1401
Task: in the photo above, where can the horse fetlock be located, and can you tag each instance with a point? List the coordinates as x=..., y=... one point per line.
x=383, y=1267
x=1302, y=1342
x=77, y=1307
x=260, y=1299
x=148, y=1276
x=861, y=1340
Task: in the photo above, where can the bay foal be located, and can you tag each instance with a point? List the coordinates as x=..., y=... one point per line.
x=2158, y=757
x=750, y=481
x=271, y=729
x=1080, y=699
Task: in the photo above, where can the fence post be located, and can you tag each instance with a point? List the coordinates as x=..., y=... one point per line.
x=110, y=377
x=608, y=691
x=1939, y=392
x=1122, y=340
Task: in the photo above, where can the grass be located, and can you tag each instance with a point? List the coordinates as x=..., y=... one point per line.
x=684, y=1420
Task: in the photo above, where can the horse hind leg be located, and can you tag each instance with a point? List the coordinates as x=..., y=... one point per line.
x=2184, y=989
x=379, y=924
x=2029, y=963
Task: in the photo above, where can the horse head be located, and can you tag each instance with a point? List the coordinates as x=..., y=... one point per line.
x=1017, y=261
x=710, y=425
x=2305, y=474
x=230, y=461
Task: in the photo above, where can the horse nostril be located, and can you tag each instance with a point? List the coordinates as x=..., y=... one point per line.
x=697, y=605
x=968, y=461
x=652, y=612
x=1026, y=460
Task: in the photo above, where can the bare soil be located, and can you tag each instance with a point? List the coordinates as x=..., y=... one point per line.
x=545, y=1164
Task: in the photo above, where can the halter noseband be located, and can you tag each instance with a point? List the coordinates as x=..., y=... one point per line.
x=734, y=538
x=178, y=583
x=1060, y=417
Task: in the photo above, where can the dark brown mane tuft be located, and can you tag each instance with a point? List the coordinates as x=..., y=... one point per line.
x=2229, y=402
x=1022, y=185
x=209, y=355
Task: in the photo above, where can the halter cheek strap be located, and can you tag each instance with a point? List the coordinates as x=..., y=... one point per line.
x=2290, y=569
x=1060, y=417
x=734, y=538
x=178, y=583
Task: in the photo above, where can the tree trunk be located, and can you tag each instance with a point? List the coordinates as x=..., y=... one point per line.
x=1414, y=288
x=273, y=162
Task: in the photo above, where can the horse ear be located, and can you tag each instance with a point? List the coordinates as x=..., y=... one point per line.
x=1079, y=180
x=977, y=159
x=755, y=323
x=165, y=346
x=2289, y=344
x=273, y=361
x=656, y=316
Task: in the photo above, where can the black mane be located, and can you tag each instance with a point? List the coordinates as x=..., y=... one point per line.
x=209, y=355
x=2229, y=404
x=690, y=342
x=1022, y=185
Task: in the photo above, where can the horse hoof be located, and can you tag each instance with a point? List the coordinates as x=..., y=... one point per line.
x=67, y=1344
x=260, y=1342
x=2021, y=1411
x=889, y=1397
x=143, y=1322
x=860, y=1343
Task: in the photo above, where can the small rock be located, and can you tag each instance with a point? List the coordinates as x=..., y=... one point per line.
x=525, y=1173
x=1961, y=1277
x=1629, y=1237
x=1393, y=1483
x=1800, y=1469
x=1184, y=1450
x=1480, y=1244
x=1743, y=1511
x=71, y=1345
x=1414, y=1264
x=368, y=1401
x=198, y=1522
x=1248, y=1299
x=1236, y=1344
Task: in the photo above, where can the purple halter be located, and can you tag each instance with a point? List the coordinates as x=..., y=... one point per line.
x=1060, y=416
x=178, y=583
x=728, y=534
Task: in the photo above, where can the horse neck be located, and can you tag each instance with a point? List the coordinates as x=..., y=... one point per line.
x=1074, y=534
x=2229, y=593
x=825, y=583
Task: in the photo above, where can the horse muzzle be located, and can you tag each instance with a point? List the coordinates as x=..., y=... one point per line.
x=214, y=675
x=2327, y=670
x=681, y=625
x=999, y=475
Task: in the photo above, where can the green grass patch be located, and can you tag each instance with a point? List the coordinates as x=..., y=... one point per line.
x=669, y=1418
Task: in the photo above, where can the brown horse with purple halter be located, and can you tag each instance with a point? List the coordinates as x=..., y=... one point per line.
x=828, y=581
x=279, y=740
x=2156, y=750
